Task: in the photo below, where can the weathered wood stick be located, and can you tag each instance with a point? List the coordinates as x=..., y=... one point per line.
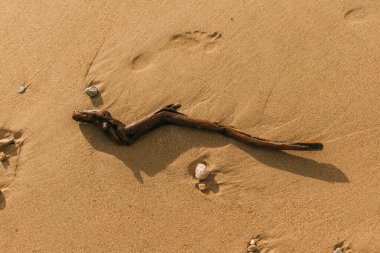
x=127, y=134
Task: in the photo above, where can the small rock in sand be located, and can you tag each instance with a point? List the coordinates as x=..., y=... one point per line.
x=7, y=141
x=252, y=248
x=21, y=89
x=252, y=242
x=2, y=157
x=202, y=186
x=201, y=171
x=91, y=91
x=338, y=250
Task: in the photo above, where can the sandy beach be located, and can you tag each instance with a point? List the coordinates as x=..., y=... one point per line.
x=280, y=70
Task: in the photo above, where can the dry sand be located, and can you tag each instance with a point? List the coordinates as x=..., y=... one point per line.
x=283, y=70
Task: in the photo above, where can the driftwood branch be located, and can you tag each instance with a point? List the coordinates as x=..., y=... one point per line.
x=127, y=134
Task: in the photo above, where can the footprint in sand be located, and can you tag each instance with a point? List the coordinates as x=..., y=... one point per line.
x=355, y=14
x=10, y=146
x=196, y=40
x=142, y=61
x=188, y=41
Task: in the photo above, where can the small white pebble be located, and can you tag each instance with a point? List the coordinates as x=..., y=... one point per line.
x=338, y=250
x=2, y=157
x=252, y=248
x=252, y=242
x=91, y=91
x=202, y=186
x=21, y=89
x=201, y=171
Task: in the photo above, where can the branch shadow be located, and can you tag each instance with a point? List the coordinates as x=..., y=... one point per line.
x=298, y=165
x=156, y=150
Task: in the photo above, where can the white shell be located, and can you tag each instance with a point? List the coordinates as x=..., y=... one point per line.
x=21, y=89
x=91, y=91
x=201, y=171
x=338, y=250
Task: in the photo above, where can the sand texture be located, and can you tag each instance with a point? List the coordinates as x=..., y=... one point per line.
x=281, y=70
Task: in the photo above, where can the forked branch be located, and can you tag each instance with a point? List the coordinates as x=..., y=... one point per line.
x=127, y=134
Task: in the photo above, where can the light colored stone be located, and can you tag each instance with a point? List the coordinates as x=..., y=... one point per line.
x=338, y=250
x=252, y=242
x=21, y=89
x=202, y=186
x=91, y=91
x=7, y=141
x=2, y=157
x=252, y=248
x=201, y=171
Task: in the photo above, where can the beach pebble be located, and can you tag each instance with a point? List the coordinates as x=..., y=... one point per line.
x=252, y=242
x=202, y=186
x=338, y=250
x=252, y=248
x=91, y=91
x=2, y=157
x=201, y=171
x=21, y=89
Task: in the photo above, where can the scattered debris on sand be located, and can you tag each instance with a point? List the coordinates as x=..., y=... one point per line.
x=201, y=173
